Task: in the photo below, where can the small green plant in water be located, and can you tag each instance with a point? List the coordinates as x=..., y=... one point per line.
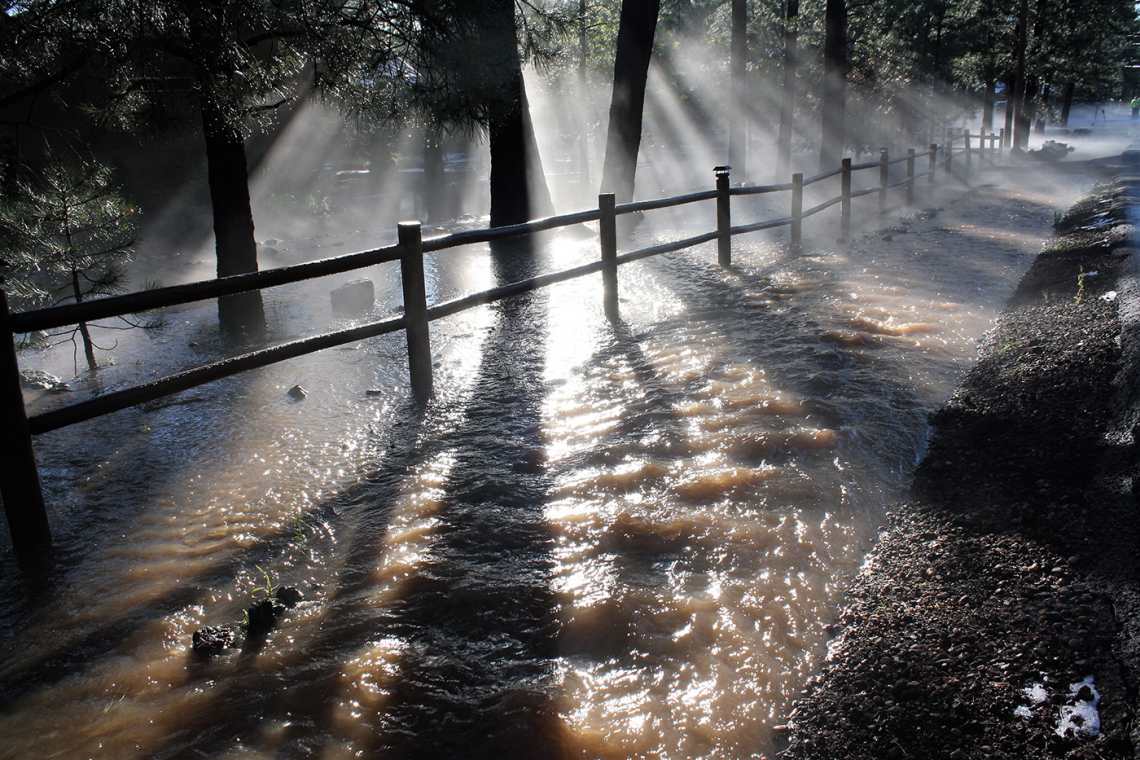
x=267, y=589
x=299, y=531
x=1045, y=294
x=1080, y=286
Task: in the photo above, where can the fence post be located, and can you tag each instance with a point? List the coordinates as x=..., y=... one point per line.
x=723, y=217
x=966, y=139
x=797, y=208
x=949, y=156
x=607, y=236
x=19, y=478
x=845, y=204
x=910, y=176
x=1001, y=145
x=884, y=179
x=933, y=163
x=415, y=310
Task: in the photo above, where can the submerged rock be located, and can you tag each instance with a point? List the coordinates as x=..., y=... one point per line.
x=297, y=393
x=290, y=596
x=354, y=297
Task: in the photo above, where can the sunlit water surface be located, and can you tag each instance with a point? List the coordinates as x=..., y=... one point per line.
x=600, y=540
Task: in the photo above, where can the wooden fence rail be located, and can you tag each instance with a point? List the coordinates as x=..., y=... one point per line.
x=19, y=479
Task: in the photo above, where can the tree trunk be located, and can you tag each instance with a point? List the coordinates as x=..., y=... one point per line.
x=585, y=113
x=1039, y=127
x=636, y=28
x=834, y=106
x=988, y=106
x=1067, y=103
x=737, y=112
x=788, y=101
x=84, y=332
x=434, y=187
x=1010, y=90
x=1020, y=123
x=518, y=185
x=240, y=317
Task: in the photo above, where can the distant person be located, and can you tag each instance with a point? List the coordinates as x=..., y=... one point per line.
x=1136, y=108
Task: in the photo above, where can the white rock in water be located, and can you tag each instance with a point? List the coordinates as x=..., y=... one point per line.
x=38, y=380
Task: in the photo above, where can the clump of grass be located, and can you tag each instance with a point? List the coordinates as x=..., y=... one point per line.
x=1080, y=286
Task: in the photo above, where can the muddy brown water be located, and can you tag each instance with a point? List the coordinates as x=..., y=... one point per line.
x=600, y=540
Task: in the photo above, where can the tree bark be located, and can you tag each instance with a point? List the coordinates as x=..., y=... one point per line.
x=788, y=101
x=988, y=107
x=240, y=317
x=1067, y=103
x=636, y=29
x=586, y=113
x=1020, y=123
x=1010, y=94
x=737, y=148
x=518, y=184
x=834, y=106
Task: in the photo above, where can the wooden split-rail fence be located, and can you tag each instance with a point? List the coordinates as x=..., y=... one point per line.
x=19, y=478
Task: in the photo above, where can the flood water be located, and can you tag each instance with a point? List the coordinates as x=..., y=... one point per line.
x=600, y=540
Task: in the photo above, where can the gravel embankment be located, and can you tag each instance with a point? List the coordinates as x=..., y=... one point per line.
x=996, y=618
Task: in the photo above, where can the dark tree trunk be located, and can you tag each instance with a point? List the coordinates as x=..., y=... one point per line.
x=241, y=317
x=586, y=115
x=1067, y=103
x=834, y=106
x=1020, y=123
x=434, y=188
x=636, y=28
x=84, y=332
x=518, y=185
x=1043, y=111
x=788, y=100
x=737, y=112
x=988, y=107
x=1010, y=94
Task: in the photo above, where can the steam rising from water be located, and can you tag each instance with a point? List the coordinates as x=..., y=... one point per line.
x=678, y=496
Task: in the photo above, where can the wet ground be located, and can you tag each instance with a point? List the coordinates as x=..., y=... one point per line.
x=601, y=539
x=997, y=617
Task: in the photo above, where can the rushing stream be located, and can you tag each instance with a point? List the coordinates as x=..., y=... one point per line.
x=600, y=540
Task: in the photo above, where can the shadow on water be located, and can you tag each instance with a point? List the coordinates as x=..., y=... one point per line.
x=476, y=619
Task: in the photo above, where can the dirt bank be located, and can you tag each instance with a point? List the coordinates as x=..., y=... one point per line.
x=996, y=616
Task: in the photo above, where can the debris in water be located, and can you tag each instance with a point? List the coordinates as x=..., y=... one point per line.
x=211, y=641
x=1109, y=297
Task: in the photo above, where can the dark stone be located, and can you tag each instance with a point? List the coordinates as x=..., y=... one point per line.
x=354, y=297
x=290, y=596
x=211, y=641
x=263, y=617
x=297, y=393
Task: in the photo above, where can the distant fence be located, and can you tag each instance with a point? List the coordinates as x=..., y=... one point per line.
x=19, y=478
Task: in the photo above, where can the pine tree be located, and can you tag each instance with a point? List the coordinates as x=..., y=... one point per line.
x=68, y=238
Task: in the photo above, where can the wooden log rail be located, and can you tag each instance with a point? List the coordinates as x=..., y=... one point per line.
x=19, y=478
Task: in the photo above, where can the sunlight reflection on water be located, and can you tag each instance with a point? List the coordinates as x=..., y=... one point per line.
x=649, y=522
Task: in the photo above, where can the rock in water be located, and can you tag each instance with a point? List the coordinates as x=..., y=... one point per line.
x=297, y=393
x=38, y=380
x=262, y=618
x=354, y=297
x=211, y=640
x=289, y=596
